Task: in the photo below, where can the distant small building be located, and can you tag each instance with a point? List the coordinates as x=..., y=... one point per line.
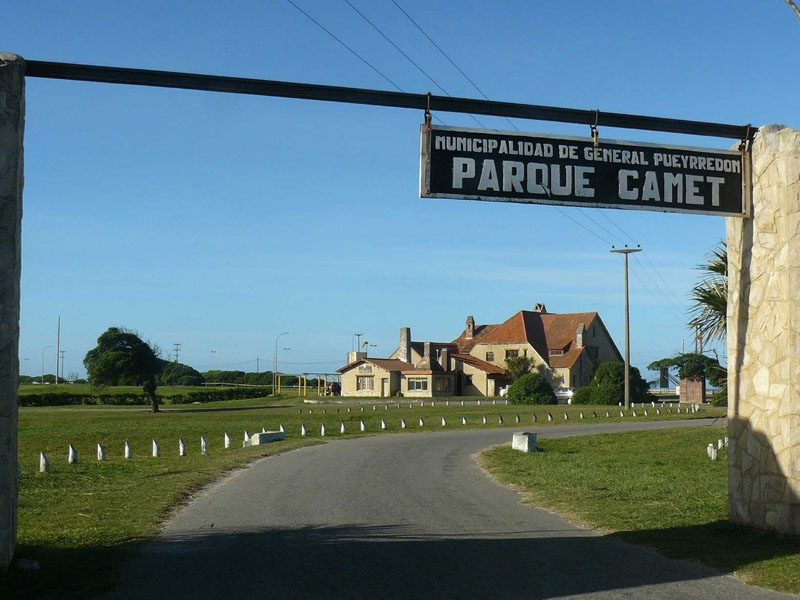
x=565, y=348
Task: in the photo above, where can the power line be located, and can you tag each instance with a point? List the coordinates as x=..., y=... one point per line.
x=407, y=57
x=450, y=60
x=664, y=295
x=625, y=233
x=649, y=291
x=353, y=52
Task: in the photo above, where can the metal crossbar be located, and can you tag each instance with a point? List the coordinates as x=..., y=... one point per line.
x=329, y=93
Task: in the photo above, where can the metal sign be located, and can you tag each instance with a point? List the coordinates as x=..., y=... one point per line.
x=502, y=166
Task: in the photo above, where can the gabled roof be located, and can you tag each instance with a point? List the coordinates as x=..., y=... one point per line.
x=560, y=330
x=566, y=360
x=464, y=345
x=387, y=364
x=521, y=327
x=473, y=361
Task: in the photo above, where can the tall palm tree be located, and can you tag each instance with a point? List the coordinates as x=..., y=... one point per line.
x=710, y=297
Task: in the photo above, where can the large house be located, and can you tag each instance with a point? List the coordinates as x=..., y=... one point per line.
x=565, y=348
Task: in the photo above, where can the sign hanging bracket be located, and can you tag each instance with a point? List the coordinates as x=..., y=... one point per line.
x=428, y=111
x=593, y=129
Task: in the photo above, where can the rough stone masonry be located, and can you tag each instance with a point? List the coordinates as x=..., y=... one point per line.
x=12, y=120
x=764, y=340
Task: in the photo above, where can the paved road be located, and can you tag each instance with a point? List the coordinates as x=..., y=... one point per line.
x=398, y=516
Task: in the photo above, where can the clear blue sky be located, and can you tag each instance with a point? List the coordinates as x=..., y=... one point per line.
x=219, y=221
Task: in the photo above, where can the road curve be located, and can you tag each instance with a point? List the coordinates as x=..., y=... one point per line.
x=399, y=516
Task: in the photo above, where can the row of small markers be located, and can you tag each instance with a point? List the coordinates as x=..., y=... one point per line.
x=711, y=449
x=447, y=403
x=72, y=454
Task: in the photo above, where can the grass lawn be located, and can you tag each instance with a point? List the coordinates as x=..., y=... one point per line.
x=78, y=521
x=656, y=488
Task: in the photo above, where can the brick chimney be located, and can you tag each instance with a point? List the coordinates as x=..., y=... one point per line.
x=405, y=344
x=470, y=327
x=444, y=359
x=579, y=335
x=540, y=307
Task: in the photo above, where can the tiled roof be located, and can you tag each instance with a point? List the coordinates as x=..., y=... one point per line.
x=479, y=364
x=388, y=364
x=465, y=345
x=566, y=360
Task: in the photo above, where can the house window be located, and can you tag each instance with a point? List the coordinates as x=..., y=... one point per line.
x=417, y=383
x=365, y=383
x=512, y=354
x=489, y=356
x=365, y=369
x=593, y=334
x=556, y=352
x=441, y=384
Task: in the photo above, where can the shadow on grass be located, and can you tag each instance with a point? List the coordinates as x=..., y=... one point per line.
x=361, y=561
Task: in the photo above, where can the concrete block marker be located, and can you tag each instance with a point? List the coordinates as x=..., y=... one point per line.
x=594, y=414
x=246, y=438
x=621, y=413
x=322, y=430
x=403, y=424
x=462, y=403
x=383, y=425
x=463, y=420
x=447, y=402
x=421, y=422
x=669, y=409
x=181, y=447
x=128, y=450
x=348, y=409
x=566, y=417
x=363, y=426
x=524, y=441
x=342, y=429
x=362, y=409
x=500, y=419
x=385, y=407
x=580, y=415
x=266, y=437
x=483, y=419
x=44, y=464
x=725, y=439
x=720, y=444
x=516, y=419
x=633, y=413
x=303, y=431
x=101, y=452
x=549, y=417
x=374, y=407
x=299, y=411
x=658, y=411
x=156, y=449
x=444, y=422
x=645, y=412
x=494, y=402
x=227, y=440
x=653, y=404
x=203, y=445
x=535, y=418
x=281, y=428
x=263, y=430
x=479, y=402
x=72, y=455
x=608, y=415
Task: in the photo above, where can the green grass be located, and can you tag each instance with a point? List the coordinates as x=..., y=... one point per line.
x=79, y=520
x=656, y=488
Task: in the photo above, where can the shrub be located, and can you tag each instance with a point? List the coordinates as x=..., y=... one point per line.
x=531, y=388
x=608, y=385
x=582, y=395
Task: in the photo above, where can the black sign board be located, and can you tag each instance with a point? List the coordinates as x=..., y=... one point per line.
x=504, y=166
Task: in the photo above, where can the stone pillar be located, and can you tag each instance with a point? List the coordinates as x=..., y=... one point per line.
x=764, y=340
x=12, y=119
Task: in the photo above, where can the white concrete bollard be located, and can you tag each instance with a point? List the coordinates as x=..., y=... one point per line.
x=580, y=415
x=227, y=439
x=447, y=402
x=500, y=419
x=483, y=419
x=303, y=430
x=281, y=428
x=566, y=417
x=633, y=413
x=421, y=422
x=44, y=464
x=669, y=409
x=725, y=440
x=493, y=402
x=594, y=414
x=516, y=419
x=203, y=445
x=621, y=414
x=128, y=450
x=549, y=417
x=645, y=412
x=479, y=402
x=342, y=429
x=708, y=450
x=713, y=453
x=403, y=423
x=608, y=415
x=374, y=407
x=101, y=452
x=72, y=455
x=652, y=404
x=462, y=403
x=246, y=437
x=444, y=422
x=156, y=449
x=322, y=430
x=720, y=444
x=524, y=441
x=363, y=426
x=383, y=425
x=385, y=407
x=362, y=409
x=463, y=420
x=181, y=447
x=658, y=411
x=348, y=409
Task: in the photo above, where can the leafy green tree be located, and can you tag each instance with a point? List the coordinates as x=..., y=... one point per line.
x=173, y=373
x=122, y=358
x=583, y=395
x=608, y=384
x=531, y=388
x=517, y=366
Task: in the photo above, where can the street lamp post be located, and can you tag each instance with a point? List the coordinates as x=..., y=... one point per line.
x=275, y=360
x=625, y=251
x=43, y=351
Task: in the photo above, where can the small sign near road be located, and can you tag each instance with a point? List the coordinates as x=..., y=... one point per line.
x=500, y=166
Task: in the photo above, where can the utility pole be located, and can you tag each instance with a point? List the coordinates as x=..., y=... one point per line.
x=625, y=251
x=62, y=352
x=213, y=352
x=256, y=365
x=58, y=347
x=176, y=348
x=358, y=342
